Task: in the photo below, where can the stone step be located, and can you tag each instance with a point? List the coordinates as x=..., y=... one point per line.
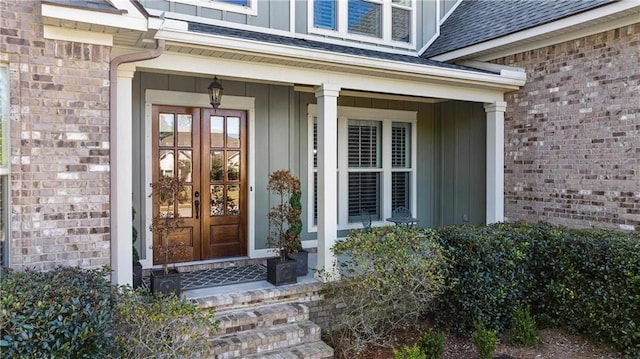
x=263, y=340
x=301, y=292
x=237, y=320
x=316, y=350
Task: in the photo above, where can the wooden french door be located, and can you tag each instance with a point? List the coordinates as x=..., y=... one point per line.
x=207, y=149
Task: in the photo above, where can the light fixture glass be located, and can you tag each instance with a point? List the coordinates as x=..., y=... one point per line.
x=215, y=93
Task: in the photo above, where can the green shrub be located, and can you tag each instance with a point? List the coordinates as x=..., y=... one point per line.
x=64, y=313
x=485, y=341
x=160, y=326
x=431, y=343
x=407, y=352
x=524, y=328
x=390, y=277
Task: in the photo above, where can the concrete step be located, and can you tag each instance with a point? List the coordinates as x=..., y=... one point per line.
x=301, y=292
x=317, y=350
x=261, y=341
x=237, y=320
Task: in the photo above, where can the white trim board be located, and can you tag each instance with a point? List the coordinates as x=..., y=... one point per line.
x=193, y=99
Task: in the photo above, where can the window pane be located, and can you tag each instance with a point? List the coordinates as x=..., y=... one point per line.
x=399, y=190
x=233, y=200
x=364, y=194
x=365, y=18
x=315, y=198
x=217, y=131
x=406, y=3
x=364, y=144
x=400, y=25
x=217, y=163
x=324, y=14
x=233, y=132
x=401, y=145
x=236, y=2
x=315, y=142
x=185, y=165
x=166, y=129
x=185, y=132
x=233, y=165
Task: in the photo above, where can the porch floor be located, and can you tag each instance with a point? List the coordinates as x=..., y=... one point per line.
x=256, y=283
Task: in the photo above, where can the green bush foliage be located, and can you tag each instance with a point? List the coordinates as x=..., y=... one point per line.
x=431, y=343
x=64, y=313
x=407, y=352
x=587, y=281
x=160, y=326
x=390, y=277
x=485, y=341
x=524, y=328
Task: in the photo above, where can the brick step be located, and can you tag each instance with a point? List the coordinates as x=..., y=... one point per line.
x=237, y=320
x=301, y=292
x=317, y=350
x=263, y=340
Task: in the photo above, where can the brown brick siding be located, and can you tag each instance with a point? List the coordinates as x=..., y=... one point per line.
x=572, y=133
x=59, y=117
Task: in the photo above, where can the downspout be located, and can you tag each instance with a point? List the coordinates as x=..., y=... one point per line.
x=114, y=202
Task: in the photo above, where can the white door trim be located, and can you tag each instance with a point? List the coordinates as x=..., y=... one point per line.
x=193, y=99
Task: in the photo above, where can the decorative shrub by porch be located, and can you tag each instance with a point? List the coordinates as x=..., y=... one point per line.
x=390, y=277
x=587, y=281
x=65, y=313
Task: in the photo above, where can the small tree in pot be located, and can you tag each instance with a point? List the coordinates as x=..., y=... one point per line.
x=282, y=237
x=167, y=220
x=295, y=228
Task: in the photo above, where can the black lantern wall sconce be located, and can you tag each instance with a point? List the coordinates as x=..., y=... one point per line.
x=215, y=93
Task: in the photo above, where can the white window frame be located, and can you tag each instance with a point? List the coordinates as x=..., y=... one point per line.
x=251, y=9
x=387, y=118
x=5, y=166
x=342, y=25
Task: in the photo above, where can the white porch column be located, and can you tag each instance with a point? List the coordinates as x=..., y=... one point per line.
x=121, y=145
x=495, y=161
x=327, y=97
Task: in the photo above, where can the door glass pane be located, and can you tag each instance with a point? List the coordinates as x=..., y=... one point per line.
x=233, y=132
x=185, y=201
x=365, y=18
x=166, y=129
x=364, y=194
x=185, y=130
x=217, y=131
x=166, y=162
x=217, y=200
x=400, y=24
x=185, y=165
x=233, y=165
x=217, y=163
x=233, y=200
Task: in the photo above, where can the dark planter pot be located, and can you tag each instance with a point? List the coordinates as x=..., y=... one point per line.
x=281, y=272
x=165, y=283
x=302, y=260
x=137, y=275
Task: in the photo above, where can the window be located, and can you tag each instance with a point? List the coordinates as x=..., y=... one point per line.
x=4, y=165
x=379, y=21
x=375, y=147
x=249, y=7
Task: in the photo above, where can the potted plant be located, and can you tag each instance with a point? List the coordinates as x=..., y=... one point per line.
x=282, y=269
x=166, y=221
x=295, y=227
x=137, y=267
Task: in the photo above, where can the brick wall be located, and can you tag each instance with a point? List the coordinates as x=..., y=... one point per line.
x=59, y=116
x=572, y=133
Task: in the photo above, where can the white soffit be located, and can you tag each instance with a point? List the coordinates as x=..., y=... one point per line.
x=131, y=20
x=88, y=37
x=591, y=22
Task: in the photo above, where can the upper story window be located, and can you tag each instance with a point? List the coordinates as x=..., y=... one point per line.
x=249, y=7
x=379, y=21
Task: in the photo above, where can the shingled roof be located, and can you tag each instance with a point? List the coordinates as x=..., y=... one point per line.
x=476, y=21
x=310, y=44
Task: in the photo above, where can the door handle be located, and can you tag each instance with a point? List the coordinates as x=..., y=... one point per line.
x=196, y=203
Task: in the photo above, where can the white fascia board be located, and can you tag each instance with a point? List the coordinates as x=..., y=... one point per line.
x=549, y=29
x=87, y=37
x=276, y=73
x=316, y=56
x=506, y=71
x=123, y=21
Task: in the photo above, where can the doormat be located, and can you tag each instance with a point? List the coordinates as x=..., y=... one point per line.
x=223, y=276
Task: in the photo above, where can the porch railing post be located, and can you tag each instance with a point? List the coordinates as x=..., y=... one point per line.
x=495, y=161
